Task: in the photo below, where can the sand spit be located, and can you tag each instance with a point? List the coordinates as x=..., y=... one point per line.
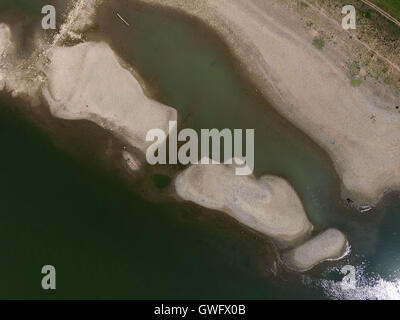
x=6, y=44
x=328, y=245
x=268, y=204
x=362, y=137
x=87, y=82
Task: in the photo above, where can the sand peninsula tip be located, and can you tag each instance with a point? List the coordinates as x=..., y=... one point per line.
x=268, y=204
x=310, y=89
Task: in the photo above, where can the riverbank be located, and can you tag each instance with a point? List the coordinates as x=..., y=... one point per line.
x=357, y=125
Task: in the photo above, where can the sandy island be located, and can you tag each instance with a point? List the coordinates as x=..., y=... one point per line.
x=268, y=205
x=86, y=81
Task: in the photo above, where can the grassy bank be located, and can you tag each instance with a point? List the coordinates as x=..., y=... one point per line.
x=390, y=6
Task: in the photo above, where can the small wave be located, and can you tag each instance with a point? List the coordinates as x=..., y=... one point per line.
x=369, y=286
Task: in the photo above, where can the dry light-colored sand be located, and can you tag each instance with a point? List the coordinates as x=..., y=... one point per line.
x=351, y=123
x=268, y=204
x=86, y=81
x=5, y=40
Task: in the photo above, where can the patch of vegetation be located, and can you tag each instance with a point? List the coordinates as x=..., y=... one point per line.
x=319, y=42
x=356, y=82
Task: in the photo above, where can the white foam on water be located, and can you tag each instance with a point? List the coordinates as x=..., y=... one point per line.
x=368, y=287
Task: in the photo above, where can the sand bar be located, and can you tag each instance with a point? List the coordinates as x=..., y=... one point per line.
x=328, y=245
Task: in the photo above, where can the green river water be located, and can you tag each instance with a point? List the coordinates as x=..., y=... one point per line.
x=107, y=239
